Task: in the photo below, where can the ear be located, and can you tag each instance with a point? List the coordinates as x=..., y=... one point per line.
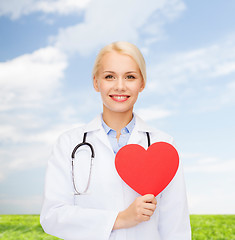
x=95, y=84
x=142, y=86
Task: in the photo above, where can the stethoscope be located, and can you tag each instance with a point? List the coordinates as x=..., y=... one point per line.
x=91, y=162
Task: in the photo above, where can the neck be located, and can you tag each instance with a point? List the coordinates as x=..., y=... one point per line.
x=117, y=120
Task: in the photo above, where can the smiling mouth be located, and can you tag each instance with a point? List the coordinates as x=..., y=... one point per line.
x=119, y=98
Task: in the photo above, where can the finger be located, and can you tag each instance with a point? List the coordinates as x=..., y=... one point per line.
x=149, y=206
x=147, y=212
x=145, y=218
x=148, y=198
x=154, y=201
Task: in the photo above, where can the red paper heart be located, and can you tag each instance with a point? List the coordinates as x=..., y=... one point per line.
x=147, y=171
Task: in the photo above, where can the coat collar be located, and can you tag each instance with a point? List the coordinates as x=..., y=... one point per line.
x=141, y=126
x=96, y=124
x=135, y=138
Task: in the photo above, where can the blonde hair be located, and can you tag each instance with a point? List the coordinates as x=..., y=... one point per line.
x=122, y=48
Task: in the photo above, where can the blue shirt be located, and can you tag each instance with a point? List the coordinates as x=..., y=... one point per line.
x=124, y=137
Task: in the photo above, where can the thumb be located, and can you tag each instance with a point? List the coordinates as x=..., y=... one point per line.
x=150, y=198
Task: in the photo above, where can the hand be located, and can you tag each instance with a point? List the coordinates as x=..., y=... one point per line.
x=140, y=210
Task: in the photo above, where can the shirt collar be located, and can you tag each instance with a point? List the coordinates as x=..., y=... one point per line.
x=128, y=128
x=96, y=124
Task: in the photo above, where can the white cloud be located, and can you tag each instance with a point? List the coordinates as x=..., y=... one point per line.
x=152, y=113
x=220, y=201
x=18, y=134
x=228, y=96
x=61, y=6
x=15, y=9
x=27, y=139
x=33, y=110
x=22, y=157
x=31, y=78
x=209, y=181
x=199, y=65
x=107, y=21
x=196, y=163
x=27, y=84
x=29, y=147
x=21, y=205
x=208, y=166
x=49, y=136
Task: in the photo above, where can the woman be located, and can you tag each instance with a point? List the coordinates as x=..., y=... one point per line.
x=108, y=208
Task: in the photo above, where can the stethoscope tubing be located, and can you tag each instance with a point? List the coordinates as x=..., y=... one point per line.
x=77, y=192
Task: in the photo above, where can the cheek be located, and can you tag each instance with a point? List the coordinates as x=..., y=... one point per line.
x=104, y=88
x=136, y=94
x=136, y=86
x=137, y=89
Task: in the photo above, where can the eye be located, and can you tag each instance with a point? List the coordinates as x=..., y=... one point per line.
x=130, y=77
x=108, y=77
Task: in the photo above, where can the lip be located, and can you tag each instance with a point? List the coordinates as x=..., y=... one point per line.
x=119, y=98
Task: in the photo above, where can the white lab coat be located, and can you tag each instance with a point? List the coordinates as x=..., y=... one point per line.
x=92, y=216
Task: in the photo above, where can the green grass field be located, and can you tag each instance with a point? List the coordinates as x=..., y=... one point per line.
x=204, y=227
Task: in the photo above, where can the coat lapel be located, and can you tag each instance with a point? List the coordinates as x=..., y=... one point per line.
x=140, y=127
x=103, y=137
x=96, y=126
x=135, y=138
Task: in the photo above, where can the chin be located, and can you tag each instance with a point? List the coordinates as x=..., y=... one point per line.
x=120, y=110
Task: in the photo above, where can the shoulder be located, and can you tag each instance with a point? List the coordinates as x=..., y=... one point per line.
x=155, y=134
x=67, y=139
x=76, y=133
x=158, y=135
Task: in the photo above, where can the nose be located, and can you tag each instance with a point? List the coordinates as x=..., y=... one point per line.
x=120, y=84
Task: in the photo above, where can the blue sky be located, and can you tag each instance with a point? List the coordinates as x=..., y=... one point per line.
x=47, y=49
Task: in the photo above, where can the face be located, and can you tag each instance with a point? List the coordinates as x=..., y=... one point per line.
x=119, y=82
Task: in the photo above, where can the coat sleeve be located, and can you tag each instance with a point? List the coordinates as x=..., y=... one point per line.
x=59, y=216
x=174, y=222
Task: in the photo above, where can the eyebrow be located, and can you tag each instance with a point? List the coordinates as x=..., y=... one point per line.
x=108, y=72
x=114, y=72
x=131, y=72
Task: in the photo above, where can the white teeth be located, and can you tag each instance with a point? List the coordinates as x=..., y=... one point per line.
x=120, y=97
